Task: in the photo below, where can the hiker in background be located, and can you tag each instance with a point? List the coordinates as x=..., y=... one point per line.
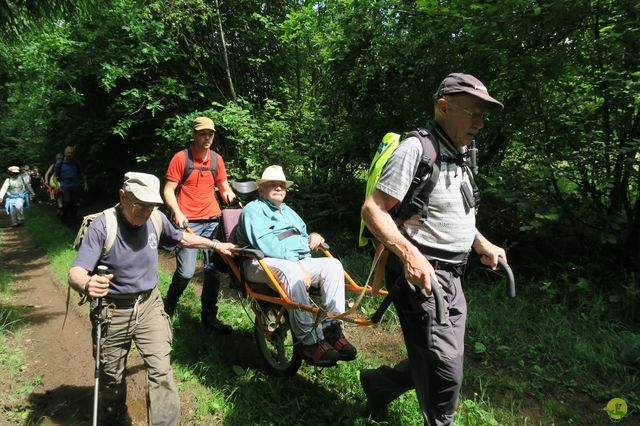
x=192, y=176
x=17, y=192
x=132, y=303
x=53, y=186
x=25, y=172
x=37, y=183
x=72, y=180
x=269, y=225
x=436, y=245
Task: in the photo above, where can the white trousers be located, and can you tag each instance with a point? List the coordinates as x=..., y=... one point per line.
x=326, y=274
x=16, y=210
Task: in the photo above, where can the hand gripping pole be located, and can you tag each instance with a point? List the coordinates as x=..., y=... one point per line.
x=437, y=295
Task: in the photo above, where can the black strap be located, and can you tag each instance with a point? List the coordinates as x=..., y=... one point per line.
x=189, y=167
x=417, y=197
x=288, y=233
x=457, y=269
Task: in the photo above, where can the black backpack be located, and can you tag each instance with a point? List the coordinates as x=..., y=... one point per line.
x=189, y=167
x=416, y=200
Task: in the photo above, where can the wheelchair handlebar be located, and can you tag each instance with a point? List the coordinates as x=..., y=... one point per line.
x=248, y=252
x=511, y=282
x=244, y=188
x=436, y=290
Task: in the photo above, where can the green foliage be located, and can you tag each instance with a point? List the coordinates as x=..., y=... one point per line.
x=16, y=387
x=53, y=238
x=319, y=83
x=549, y=347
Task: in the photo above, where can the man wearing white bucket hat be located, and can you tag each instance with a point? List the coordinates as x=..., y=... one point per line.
x=271, y=226
x=17, y=192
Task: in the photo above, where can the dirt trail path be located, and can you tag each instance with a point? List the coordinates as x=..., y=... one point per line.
x=62, y=357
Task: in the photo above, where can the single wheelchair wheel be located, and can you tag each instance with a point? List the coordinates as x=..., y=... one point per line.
x=276, y=342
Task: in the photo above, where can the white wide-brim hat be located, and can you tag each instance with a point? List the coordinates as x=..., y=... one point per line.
x=14, y=169
x=274, y=173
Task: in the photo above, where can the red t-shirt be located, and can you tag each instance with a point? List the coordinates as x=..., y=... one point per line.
x=196, y=198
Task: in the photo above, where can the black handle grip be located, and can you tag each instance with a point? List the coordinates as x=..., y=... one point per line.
x=441, y=317
x=437, y=294
x=102, y=270
x=511, y=282
x=377, y=315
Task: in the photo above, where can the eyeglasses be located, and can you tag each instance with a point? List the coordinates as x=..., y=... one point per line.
x=474, y=116
x=274, y=184
x=141, y=206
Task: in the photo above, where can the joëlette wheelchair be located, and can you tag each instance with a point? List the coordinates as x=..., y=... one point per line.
x=276, y=342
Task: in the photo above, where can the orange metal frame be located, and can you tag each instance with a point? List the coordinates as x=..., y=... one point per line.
x=283, y=299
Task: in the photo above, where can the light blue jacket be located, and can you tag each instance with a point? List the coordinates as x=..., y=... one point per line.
x=261, y=222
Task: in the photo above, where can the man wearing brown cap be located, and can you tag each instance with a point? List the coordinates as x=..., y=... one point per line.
x=435, y=242
x=132, y=305
x=192, y=176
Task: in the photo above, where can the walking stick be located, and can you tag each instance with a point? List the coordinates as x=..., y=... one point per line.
x=102, y=271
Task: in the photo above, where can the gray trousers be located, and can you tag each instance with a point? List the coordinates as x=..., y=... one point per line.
x=144, y=322
x=435, y=352
x=326, y=273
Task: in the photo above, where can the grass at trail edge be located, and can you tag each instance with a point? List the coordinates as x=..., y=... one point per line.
x=529, y=360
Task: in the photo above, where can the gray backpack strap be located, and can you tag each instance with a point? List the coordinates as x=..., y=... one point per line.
x=111, y=228
x=156, y=219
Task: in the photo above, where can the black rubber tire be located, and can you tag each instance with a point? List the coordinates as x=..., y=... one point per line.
x=279, y=351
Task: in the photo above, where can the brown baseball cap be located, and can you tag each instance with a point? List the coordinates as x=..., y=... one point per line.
x=465, y=83
x=203, y=123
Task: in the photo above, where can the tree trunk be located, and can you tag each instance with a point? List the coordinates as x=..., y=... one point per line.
x=227, y=69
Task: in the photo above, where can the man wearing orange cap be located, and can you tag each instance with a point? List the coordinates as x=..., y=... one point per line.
x=192, y=176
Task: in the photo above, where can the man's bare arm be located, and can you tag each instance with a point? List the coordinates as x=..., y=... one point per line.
x=169, y=193
x=375, y=212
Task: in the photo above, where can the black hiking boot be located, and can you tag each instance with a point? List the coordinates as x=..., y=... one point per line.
x=334, y=336
x=212, y=323
x=170, y=307
x=375, y=409
x=320, y=354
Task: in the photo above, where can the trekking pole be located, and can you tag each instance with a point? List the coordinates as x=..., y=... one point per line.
x=437, y=296
x=511, y=283
x=102, y=271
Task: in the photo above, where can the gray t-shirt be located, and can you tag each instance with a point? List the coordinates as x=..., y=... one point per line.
x=449, y=230
x=133, y=259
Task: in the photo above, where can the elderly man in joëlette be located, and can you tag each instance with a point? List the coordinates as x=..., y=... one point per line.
x=270, y=225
